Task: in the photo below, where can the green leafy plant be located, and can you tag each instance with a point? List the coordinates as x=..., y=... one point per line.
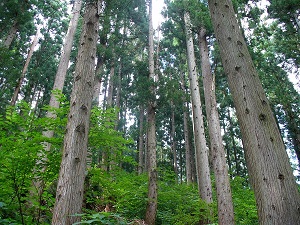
x=102, y=218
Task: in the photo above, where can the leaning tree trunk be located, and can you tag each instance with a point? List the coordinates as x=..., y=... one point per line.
x=70, y=188
x=271, y=176
x=25, y=68
x=63, y=64
x=202, y=162
x=224, y=197
x=151, y=140
x=58, y=85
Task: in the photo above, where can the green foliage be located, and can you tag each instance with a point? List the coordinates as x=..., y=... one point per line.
x=120, y=192
x=102, y=218
x=103, y=137
x=245, y=211
x=21, y=140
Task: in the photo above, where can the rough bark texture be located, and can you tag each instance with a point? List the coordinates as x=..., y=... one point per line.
x=277, y=197
x=202, y=163
x=151, y=141
x=69, y=194
x=224, y=198
x=21, y=79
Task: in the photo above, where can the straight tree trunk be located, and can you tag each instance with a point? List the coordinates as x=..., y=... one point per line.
x=70, y=188
x=224, y=197
x=188, y=154
x=277, y=197
x=25, y=68
x=173, y=143
x=141, y=141
x=151, y=141
x=202, y=163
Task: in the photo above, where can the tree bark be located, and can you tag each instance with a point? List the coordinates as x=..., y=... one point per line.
x=224, y=197
x=275, y=189
x=151, y=141
x=202, y=163
x=70, y=188
x=25, y=68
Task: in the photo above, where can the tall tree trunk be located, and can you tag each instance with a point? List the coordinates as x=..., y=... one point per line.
x=141, y=141
x=202, y=163
x=11, y=34
x=63, y=66
x=228, y=156
x=173, y=143
x=25, y=68
x=58, y=85
x=271, y=176
x=151, y=141
x=69, y=194
x=188, y=153
x=225, y=204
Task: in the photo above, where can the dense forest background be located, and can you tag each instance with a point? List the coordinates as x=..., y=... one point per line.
x=36, y=101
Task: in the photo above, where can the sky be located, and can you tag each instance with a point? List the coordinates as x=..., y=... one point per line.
x=157, y=6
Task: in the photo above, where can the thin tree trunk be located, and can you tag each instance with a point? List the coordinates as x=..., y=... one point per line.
x=109, y=100
x=228, y=156
x=188, y=154
x=141, y=141
x=25, y=68
x=70, y=188
x=225, y=204
x=151, y=141
x=271, y=176
x=235, y=153
x=173, y=143
x=98, y=81
x=202, y=163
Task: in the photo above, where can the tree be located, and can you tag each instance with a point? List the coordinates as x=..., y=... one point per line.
x=69, y=193
x=25, y=68
x=270, y=173
x=225, y=205
x=202, y=164
x=151, y=140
